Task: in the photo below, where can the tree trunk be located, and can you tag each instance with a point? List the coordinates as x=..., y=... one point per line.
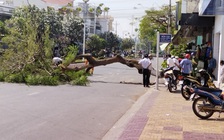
x=92, y=62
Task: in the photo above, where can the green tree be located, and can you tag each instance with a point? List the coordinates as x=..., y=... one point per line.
x=127, y=44
x=153, y=21
x=112, y=41
x=28, y=58
x=95, y=44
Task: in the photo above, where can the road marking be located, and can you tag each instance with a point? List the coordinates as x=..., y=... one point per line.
x=34, y=93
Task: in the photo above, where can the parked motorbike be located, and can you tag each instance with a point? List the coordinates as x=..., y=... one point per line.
x=207, y=101
x=169, y=79
x=204, y=80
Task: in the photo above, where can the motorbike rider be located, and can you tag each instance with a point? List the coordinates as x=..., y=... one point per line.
x=186, y=65
x=176, y=69
x=169, y=61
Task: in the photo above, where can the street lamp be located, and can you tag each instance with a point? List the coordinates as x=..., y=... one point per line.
x=169, y=22
x=84, y=26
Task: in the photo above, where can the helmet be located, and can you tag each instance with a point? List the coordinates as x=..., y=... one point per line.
x=187, y=56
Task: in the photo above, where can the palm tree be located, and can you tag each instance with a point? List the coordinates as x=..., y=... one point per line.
x=106, y=10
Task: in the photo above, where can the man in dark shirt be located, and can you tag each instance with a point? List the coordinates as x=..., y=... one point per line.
x=208, y=54
x=211, y=66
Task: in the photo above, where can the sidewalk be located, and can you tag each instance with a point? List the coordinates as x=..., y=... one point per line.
x=161, y=115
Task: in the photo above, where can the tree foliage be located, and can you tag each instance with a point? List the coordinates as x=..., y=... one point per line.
x=112, y=41
x=32, y=34
x=127, y=43
x=95, y=44
x=155, y=20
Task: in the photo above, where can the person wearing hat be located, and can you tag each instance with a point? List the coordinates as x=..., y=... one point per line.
x=186, y=65
x=145, y=63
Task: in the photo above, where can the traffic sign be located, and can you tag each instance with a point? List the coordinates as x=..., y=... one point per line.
x=165, y=38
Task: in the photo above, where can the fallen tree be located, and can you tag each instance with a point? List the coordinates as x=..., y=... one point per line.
x=92, y=62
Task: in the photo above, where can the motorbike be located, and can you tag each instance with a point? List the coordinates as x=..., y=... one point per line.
x=204, y=80
x=169, y=79
x=207, y=101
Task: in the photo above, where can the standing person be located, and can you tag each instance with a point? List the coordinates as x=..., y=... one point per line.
x=169, y=61
x=194, y=63
x=221, y=76
x=145, y=63
x=211, y=66
x=208, y=54
x=176, y=69
x=186, y=65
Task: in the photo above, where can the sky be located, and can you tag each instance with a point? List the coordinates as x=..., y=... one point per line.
x=123, y=11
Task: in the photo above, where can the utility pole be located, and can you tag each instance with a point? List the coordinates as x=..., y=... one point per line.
x=116, y=28
x=94, y=30
x=84, y=26
x=169, y=20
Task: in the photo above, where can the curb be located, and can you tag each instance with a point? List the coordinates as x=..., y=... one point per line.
x=125, y=127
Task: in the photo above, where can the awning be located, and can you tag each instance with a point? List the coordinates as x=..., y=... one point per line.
x=193, y=19
x=163, y=46
x=184, y=32
x=191, y=25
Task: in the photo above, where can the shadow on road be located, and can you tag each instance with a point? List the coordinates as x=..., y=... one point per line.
x=121, y=82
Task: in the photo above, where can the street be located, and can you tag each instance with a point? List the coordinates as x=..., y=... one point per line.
x=68, y=112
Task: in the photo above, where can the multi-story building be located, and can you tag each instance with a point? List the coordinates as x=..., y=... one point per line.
x=202, y=21
x=94, y=24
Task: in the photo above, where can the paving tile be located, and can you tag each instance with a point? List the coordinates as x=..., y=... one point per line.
x=168, y=116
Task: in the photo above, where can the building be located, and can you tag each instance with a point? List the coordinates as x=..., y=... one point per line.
x=6, y=11
x=95, y=24
x=203, y=21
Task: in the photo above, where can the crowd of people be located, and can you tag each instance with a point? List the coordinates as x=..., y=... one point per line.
x=201, y=58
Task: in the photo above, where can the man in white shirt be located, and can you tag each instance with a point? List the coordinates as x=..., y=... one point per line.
x=145, y=63
x=169, y=61
x=176, y=69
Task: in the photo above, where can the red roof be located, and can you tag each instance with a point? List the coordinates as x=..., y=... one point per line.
x=60, y=2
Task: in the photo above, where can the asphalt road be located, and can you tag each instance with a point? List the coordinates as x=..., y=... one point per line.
x=69, y=112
